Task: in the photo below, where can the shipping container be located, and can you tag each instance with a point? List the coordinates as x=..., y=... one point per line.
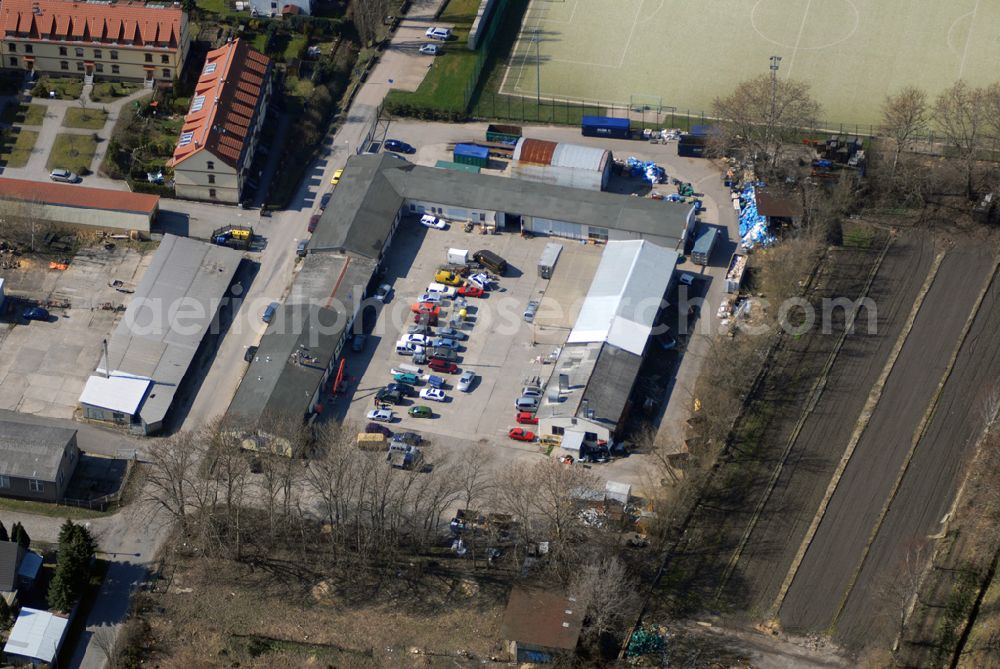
x=458, y=167
x=605, y=126
x=692, y=146
x=702, y=251
x=504, y=134
x=547, y=263
x=471, y=154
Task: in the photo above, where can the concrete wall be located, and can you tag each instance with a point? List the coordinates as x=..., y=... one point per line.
x=99, y=219
x=479, y=26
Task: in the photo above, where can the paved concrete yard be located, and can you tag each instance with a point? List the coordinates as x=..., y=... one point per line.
x=43, y=366
x=566, y=290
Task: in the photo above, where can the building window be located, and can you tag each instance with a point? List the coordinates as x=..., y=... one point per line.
x=166, y=73
x=13, y=48
x=115, y=69
x=211, y=178
x=13, y=61
x=559, y=431
x=63, y=51
x=79, y=52
x=114, y=55
x=4, y=481
x=79, y=66
x=28, y=48
x=149, y=58
x=34, y=485
x=63, y=65
x=211, y=193
x=210, y=164
x=164, y=58
x=97, y=53
x=482, y=217
x=99, y=67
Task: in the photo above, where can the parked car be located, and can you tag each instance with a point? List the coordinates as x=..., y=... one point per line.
x=335, y=179
x=466, y=380
x=435, y=394
x=325, y=200
x=398, y=145
x=358, y=342
x=438, y=33
x=414, y=339
x=250, y=353
x=381, y=415
x=64, y=176
x=520, y=434
x=447, y=278
x=592, y=453
x=444, y=342
x=420, y=329
x=406, y=348
x=433, y=222
x=431, y=298
x=686, y=278
x=470, y=291
x=443, y=354
x=530, y=310
x=36, y=314
x=269, y=312
x=411, y=379
x=402, y=388
x=388, y=396
x=425, y=308
x=442, y=366
x=420, y=411
x=434, y=381
x=302, y=248
x=313, y=222
x=525, y=418
x=375, y=428
x=425, y=318
x=411, y=438
x=382, y=293
x=451, y=333
x=431, y=49
x=526, y=404
x=436, y=288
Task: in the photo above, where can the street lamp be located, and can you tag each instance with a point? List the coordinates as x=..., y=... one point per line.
x=775, y=63
x=538, y=69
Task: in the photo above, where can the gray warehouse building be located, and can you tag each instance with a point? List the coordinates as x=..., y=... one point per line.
x=562, y=164
x=168, y=321
x=36, y=461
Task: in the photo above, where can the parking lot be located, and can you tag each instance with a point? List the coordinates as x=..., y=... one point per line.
x=44, y=365
x=503, y=350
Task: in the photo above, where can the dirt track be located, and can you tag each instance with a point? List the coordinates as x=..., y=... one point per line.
x=826, y=431
x=927, y=489
x=836, y=551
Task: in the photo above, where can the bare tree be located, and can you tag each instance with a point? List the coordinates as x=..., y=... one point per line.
x=369, y=19
x=904, y=117
x=961, y=114
x=171, y=476
x=607, y=593
x=762, y=115
x=474, y=475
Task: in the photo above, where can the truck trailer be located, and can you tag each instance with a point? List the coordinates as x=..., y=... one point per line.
x=702, y=251
x=547, y=262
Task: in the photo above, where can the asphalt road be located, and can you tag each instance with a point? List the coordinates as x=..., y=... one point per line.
x=836, y=550
x=928, y=488
x=824, y=435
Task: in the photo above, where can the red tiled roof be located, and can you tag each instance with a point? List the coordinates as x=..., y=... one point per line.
x=231, y=84
x=69, y=195
x=93, y=22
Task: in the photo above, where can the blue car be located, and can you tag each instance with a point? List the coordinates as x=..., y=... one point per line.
x=398, y=146
x=36, y=314
x=269, y=312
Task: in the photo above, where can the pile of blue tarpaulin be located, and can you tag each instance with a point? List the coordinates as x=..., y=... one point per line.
x=648, y=170
x=753, y=226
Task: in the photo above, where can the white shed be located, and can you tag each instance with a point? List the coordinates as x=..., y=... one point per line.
x=36, y=636
x=562, y=164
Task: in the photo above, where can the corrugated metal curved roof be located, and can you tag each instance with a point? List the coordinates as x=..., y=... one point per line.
x=541, y=152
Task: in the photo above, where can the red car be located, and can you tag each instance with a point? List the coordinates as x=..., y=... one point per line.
x=312, y=222
x=425, y=308
x=526, y=418
x=520, y=434
x=470, y=291
x=425, y=319
x=442, y=366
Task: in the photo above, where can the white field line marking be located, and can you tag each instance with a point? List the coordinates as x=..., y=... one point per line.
x=628, y=42
x=798, y=40
x=968, y=38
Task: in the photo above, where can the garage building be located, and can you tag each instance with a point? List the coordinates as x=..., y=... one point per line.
x=173, y=315
x=562, y=164
x=79, y=207
x=587, y=396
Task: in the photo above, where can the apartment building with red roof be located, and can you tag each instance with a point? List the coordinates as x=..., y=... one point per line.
x=127, y=40
x=222, y=128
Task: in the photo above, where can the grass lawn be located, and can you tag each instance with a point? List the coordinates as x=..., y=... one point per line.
x=65, y=89
x=24, y=114
x=72, y=152
x=15, y=149
x=445, y=83
x=44, y=509
x=108, y=91
x=80, y=117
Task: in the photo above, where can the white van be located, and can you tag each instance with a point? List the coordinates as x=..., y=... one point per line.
x=406, y=348
x=441, y=289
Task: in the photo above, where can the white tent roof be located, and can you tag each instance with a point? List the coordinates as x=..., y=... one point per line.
x=625, y=295
x=36, y=635
x=121, y=392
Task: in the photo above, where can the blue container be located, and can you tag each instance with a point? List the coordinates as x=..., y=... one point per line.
x=606, y=126
x=471, y=154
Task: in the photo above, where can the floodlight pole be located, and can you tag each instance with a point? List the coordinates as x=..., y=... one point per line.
x=538, y=71
x=775, y=63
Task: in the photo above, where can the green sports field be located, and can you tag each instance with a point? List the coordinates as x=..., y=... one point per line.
x=684, y=53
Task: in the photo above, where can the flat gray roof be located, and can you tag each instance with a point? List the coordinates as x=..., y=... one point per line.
x=298, y=345
x=172, y=309
x=32, y=451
